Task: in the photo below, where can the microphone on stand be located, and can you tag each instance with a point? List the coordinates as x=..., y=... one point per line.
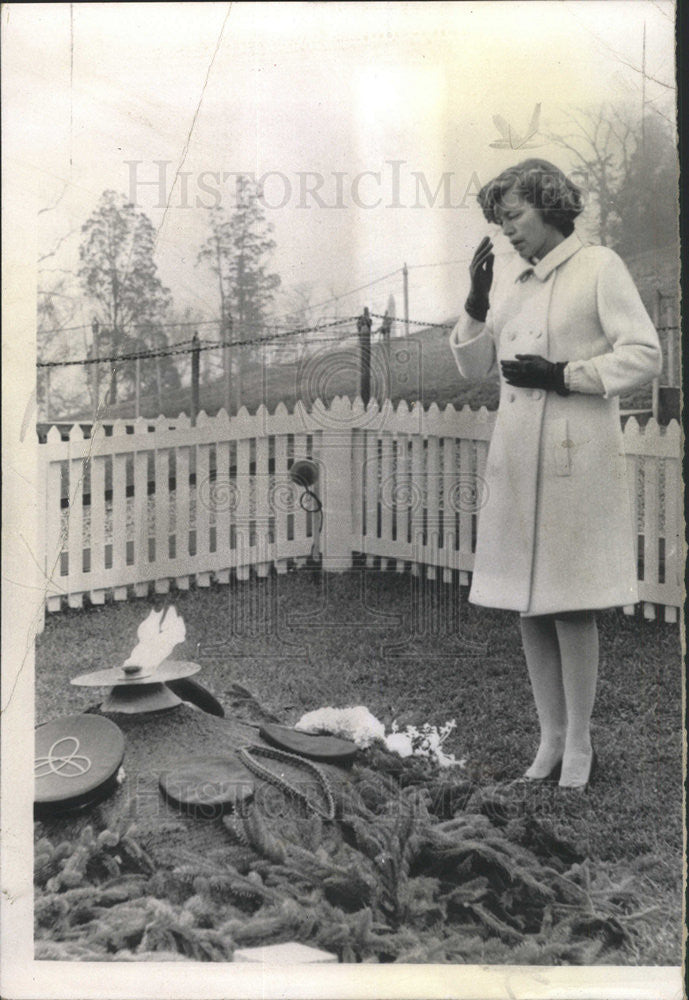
x=304, y=473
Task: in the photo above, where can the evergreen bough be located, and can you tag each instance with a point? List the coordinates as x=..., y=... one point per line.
x=392, y=879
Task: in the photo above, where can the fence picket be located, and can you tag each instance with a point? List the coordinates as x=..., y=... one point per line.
x=141, y=520
x=673, y=517
x=204, y=494
x=432, y=510
x=386, y=485
x=162, y=512
x=416, y=498
x=75, y=514
x=651, y=523
x=119, y=518
x=448, y=521
x=466, y=477
x=632, y=464
x=371, y=489
x=281, y=496
x=302, y=520
x=97, y=535
x=263, y=519
x=182, y=506
x=480, y=473
x=243, y=509
x=223, y=494
x=358, y=460
x=401, y=502
x=54, y=538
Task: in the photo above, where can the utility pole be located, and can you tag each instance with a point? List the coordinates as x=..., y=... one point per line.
x=405, y=276
x=386, y=327
x=195, y=351
x=94, y=377
x=137, y=391
x=655, y=385
x=227, y=361
x=363, y=326
x=159, y=382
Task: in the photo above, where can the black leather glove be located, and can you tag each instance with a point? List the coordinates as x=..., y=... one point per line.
x=531, y=371
x=481, y=271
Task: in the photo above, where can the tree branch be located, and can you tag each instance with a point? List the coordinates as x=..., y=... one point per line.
x=59, y=243
x=49, y=208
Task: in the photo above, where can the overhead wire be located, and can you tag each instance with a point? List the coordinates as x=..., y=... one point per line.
x=352, y=291
x=196, y=346
x=190, y=345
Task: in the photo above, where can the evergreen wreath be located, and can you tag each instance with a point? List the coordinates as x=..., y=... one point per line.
x=408, y=871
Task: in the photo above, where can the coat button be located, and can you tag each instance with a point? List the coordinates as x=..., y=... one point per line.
x=539, y=335
x=513, y=336
x=535, y=393
x=511, y=398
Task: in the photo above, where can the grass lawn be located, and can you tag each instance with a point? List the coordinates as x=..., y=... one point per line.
x=417, y=652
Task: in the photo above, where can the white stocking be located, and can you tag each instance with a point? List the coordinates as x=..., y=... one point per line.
x=577, y=635
x=540, y=641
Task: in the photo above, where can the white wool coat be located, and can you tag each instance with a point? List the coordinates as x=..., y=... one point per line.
x=556, y=533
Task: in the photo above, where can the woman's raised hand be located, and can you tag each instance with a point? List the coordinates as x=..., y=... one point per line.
x=481, y=272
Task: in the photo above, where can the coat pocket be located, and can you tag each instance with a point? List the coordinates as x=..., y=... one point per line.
x=562, y=447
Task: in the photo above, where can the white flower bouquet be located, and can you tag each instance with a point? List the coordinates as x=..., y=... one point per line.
x=358, y=724
x=424, y=741
x=354, y=723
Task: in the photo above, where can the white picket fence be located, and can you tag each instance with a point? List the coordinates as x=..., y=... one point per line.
x=149, y=504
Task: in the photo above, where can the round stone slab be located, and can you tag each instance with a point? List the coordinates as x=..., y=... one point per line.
x=76, y=762
x=169, y=670
x=325, y=748
x=208, y=786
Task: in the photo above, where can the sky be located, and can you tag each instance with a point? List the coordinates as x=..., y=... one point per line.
x=352, y=113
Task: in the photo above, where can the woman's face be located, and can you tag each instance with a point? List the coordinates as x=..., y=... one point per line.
x=524, y=227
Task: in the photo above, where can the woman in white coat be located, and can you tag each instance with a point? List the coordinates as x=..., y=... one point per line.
x=567, y=331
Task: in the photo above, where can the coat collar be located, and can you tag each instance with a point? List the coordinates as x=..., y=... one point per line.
x=545, y=267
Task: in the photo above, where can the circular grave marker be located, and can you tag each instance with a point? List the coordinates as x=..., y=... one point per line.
x=326, y=748
x=208, y=786
x=76, y=762
x=135, y=689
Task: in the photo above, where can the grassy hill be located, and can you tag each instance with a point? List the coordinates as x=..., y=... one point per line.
x=420, y=367
x=417, y=368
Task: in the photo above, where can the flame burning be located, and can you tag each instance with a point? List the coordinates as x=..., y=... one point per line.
x=158, y=635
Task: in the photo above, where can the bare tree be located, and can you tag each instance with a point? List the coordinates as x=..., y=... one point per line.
x=630, y=174
x=298, y=315
x=647, y=205
x=60, y=391
x=601, y=142
x=299, y=305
